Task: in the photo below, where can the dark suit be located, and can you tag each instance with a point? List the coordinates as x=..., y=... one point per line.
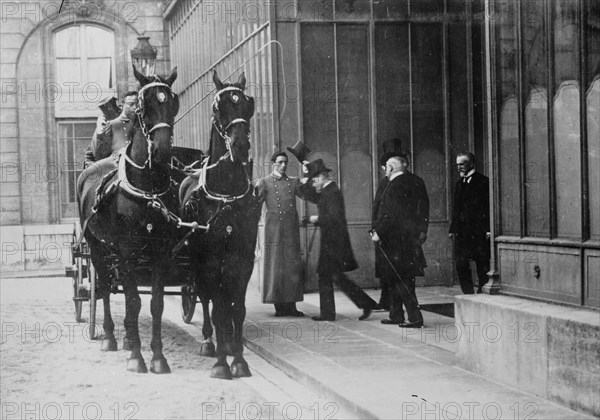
x=402, y=215
x=114, y=137
x=470, y=224
x=380, y=262
x=335, y=256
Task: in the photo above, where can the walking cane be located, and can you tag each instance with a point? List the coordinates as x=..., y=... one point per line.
x=397, y=274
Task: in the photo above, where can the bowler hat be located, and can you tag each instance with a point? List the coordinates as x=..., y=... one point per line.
x=392, y=147
x=299, y=150
x=316, y=167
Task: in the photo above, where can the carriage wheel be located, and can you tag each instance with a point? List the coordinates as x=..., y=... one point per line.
x=188, y=303
x=78, y=303
x=92, y=278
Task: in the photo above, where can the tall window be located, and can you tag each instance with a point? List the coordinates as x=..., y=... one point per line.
x=73, y=139
x=85, y=56
x=85, y=68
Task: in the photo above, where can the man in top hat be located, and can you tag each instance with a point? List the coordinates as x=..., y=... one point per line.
x=112, y=136
x=471, y=223
x=400, y=228
x=394, y=144
x=336, y=256
x=282, y=281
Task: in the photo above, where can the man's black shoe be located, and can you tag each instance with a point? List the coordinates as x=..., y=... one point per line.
x=366, y=313
x=391, y=322
x=411, y=325
x=322, y=318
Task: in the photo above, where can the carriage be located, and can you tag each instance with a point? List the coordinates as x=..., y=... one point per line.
x=137, y=214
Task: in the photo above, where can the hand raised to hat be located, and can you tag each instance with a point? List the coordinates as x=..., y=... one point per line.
x=101, y=124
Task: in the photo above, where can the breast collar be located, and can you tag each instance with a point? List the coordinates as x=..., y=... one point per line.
x=126, y=186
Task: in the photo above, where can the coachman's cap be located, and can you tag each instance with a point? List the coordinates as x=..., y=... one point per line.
x=391, y=148
x=299, y=150
x=316, y=167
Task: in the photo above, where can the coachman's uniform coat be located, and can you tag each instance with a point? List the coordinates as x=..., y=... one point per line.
x=283, y=275
x=116, y=134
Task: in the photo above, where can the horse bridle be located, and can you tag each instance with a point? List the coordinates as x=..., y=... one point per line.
x=216, y=120
x=140, y=111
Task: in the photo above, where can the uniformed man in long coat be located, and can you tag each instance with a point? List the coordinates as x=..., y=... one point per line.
x=282, y=281
x=110, y=137
x=400, y=228
x=335, y=255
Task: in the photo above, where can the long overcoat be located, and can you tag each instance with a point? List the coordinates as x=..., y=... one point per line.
x=283, y=268
x=335, y=253
x=403, y=214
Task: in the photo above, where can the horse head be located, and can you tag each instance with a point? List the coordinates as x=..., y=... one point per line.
x=232, y=111
x=158, y=105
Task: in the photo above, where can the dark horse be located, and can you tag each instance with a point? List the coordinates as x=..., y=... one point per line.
x=127, y=207
x=222, y=196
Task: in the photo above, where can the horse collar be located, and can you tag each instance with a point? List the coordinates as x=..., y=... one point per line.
x=202, y=186
x=127, y=186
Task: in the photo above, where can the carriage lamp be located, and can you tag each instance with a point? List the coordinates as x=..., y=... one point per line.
x=144, y=56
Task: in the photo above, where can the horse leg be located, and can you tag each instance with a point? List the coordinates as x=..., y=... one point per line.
x=109, y=343
x=158, y=364
x=207, y=347
x=103, y=283
x=133, y=304
x=212, y=275
x=239, y=366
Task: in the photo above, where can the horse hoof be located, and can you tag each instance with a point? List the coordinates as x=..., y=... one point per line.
x=109, y=344
x=240, y=370
x=207, y=350
x=127, y=345
x=159, y=366
x=137, y=366
x=221, y=372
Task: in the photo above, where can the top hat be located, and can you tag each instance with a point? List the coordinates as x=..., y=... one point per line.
x=391, y=148
x=299, y=150
x=109, y=108
x=315, y=168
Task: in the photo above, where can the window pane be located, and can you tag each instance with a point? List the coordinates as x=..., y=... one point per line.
x=428, y=115
x=393, y=80
x=74, y=139
x=100, y=71
x=354, y=120
x=566, y=41
x=319, y=90
x=100, y=42
x=67, y=42
x=535, y=74
x=592, y=31
x=68, y=71
x=567, y=134
x=508, y=119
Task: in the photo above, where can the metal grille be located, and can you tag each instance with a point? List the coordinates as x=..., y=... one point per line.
x=230, y=38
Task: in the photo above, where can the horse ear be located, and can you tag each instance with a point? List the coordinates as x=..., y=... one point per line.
x=242, y=81
x=172, y=77
x=217, y=81
x=140, y=77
